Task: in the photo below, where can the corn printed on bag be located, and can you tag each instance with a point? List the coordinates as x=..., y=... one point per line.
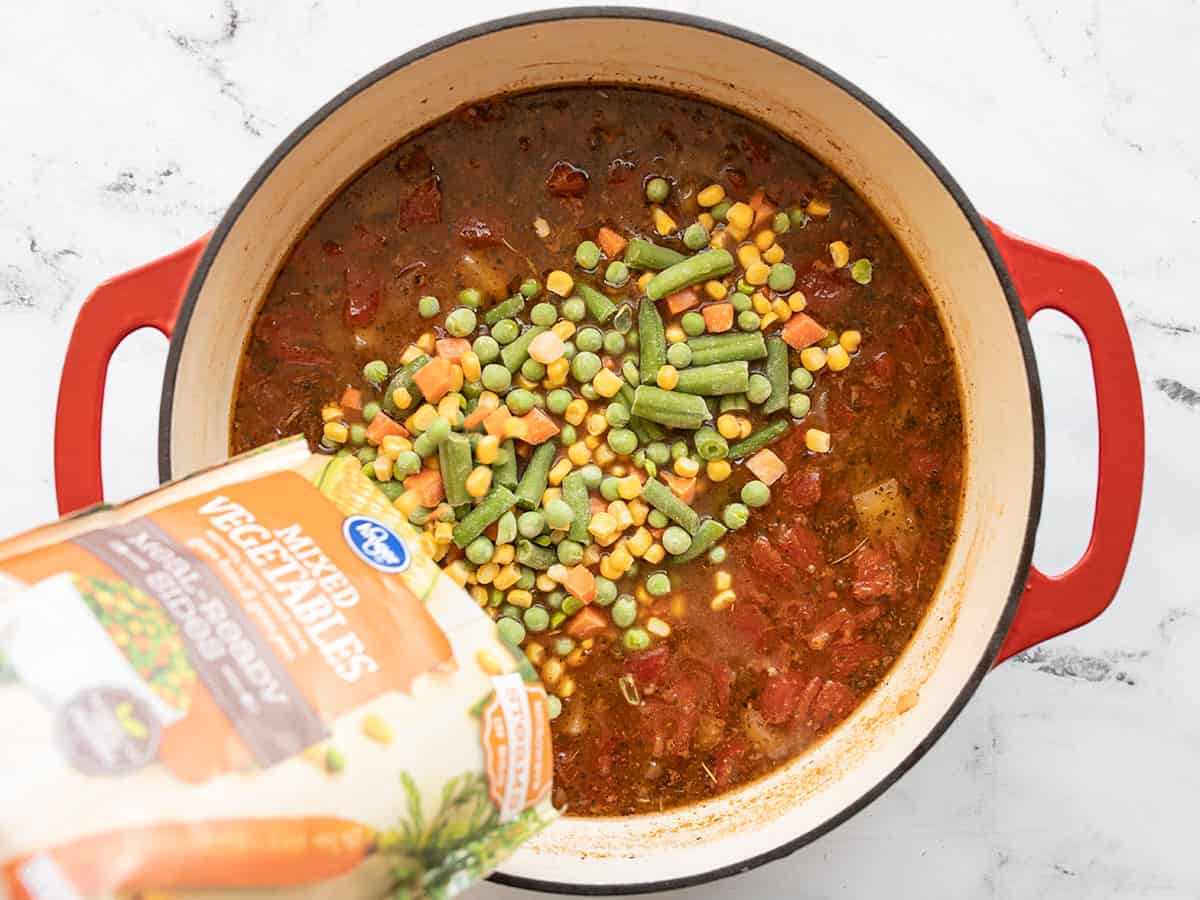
x=251, y=681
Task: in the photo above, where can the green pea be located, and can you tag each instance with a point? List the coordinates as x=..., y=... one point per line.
x=861, y=271
x=495, y=598
x=830, y=339
x=639, y=458
x=480, y=550
x=428, y=307
x=692, y=323
x=530, y=288
x=376, y=372
x=679, y=355
x=608, y=488
x=558, y=514
x=472, y=389
x=759, y=389
x=782, y=277
x=438, y=431
x=624, y=611
x=614, y=343
x=716, y=555
x=617, y=273
x=567, y=435
x=659, y=584
x=781, y=223
x=370, y=411
x=554, y=600
x=511, y=630
x=506, y=331
x=543, y=314
x=622, y=441
x=486, y=348
x=558, y=400
x=798, y=217
x=358, y=434
x=519, y=401
x=587, y=255
x=530, y=524
x=659, y=452
x=574, y=309
x=570, y=553
x=657, y=190
x=506, y=528
x=368, y=454
x=799, y=405
x=471, y=297
x=802, y=379
x=335, y=759
x=695, y=236
x=755, y=493
x=533, y=370
x=461, y=322
x=679, y=450
x=536, y=619
x=616, y=414
x=527, y=579
x=635, y=639
x=553, y=707
x=718, y=212
x=423, y=446
x=592, y=476
x=748, y=320
x=569, y=350
x=629, y=369
x=631, y=340
x=606, y=591
x=496, y=378
x=564, y=645
x=407, y=463
x=741, y=303
x=735, y=516
x=745, y=287
x=571, y=605
x=676, y=541
x=590, y=339
x=585, y=365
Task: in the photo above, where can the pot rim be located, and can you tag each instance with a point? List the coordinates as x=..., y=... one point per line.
x=1020, y=323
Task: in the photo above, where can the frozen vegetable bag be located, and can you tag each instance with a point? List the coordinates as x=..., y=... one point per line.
x=252, y=681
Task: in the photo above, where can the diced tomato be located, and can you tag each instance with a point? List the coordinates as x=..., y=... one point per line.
x=433, y=379
x=749, y=624
x=884, y=366
x=422, y=206
x=801, y=547
x=833, y=703
x=846, y=659
x=453, y=349
x=681, y=301
x=821, y=287
x=874, y=574
x=726, y=760
x=383, y=426
x=611, y=242
x=779, y=698
x=802, y=330
x=586, y=623
x=428, y=485
x=803, y=488
x=764, y=210
x=769, y=565
x=351, y=399
x=648, y=665
x=290, y=336
x=925, y=464
x=566, y=180
x=808, y=697
x=477, y=234
x=364, y=293
x=718, y=317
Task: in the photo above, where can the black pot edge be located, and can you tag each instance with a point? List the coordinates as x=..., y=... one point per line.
x=977, y=224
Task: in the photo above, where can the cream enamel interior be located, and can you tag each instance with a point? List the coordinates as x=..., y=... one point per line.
x=924, y=216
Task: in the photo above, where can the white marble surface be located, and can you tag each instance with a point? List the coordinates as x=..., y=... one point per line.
x=127, y=126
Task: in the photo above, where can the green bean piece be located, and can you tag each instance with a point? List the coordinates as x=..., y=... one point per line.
x=670, y=408
x=693, y=270
x=623, y=318
x=504, y=472
x=391, y=489
x=530, y=554
x=507, y=309
x=710, y=444
x=652, y=339
x=709, y=532
x=718, y=348
x=715, y=379
x=643, y=254
x=733, y=403
x=664, y=500
x=499, y=501
x=454, y=458
x=518, y=351
x=598, y=305
x=575, y=493
x=777, y=374
x=759, y=439
x=537, y=473
x=404, y=379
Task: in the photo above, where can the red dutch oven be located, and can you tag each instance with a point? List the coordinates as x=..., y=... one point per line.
x=990, y=604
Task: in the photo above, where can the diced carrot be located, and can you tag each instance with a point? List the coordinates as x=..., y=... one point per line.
x=580, y=583
x=428, y=485
x=683, y=488
x=383, y=426
x=453, y=349
x=433, y=379
x=597, y=504
x=479, y=414
x=682, y=300
x=718, y=317
x=586, y=623
x=610, y=242
x=539, y=427
x=352, y=399
x=764, y=210
x=766, y=466
x=801, y=331
x=493, y=423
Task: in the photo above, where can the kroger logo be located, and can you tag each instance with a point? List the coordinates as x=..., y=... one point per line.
x=376, y=544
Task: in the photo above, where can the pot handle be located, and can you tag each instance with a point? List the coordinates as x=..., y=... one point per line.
x=1046, y=279
x=148, y=296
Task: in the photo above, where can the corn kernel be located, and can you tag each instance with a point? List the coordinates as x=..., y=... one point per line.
x=479, y=482
x=378, y=729
x=603, y=455
x=735, y=234
x=818, y=209
x=515, y=428
x=423, y=417
x=797, y=301
x=411, y=352
x=643, y=280
x=480, y=595
x=579, y=454
x=837, y=358
x=456, y=377
x=740, y=216
x=619, y=510
x=545, y=583
x=523, y=599
x=564, y=330
x=748, y=255
x=706, y=220
x=813, y=358
x=591, y=441
x=559, y=471
x=331, y=412
x=839, y=253
x=607, y=383
x=629, y=487
x=486, y=573
x=655, y=554
x=816, y=440
x=602, y=525
x=711, y=195
x=449, y=407
x=528, y=383
x=336, y=432
x=744, y=428
x=686, y=467
x=507, y=577
x=550, y=494
x=504, y=554
x=565, y=688
x=393, y=445
x=761, y=302
x=764, y=239
x=609, y=569
x=850, y=340
x=487, y=451
x=383, y=468
x=617, y=470
x=443, y=532
x=667, y=378
x=471, y=367
x=658, y=627
x=773, y=254
x=552, y=671
x=575, y=658
x=576, y=410
x=768, y=320
x=559, y=282
x=675, y=333
x=718, y=470
x=723, y=600
x=723, y=580
x=758, y=273
x=535, y=653
x=663, y=223
x=407, y=503
x=782, y=311
x=541, y=227
x=591, y=555
x=621, y=557
x=716, y=289
x=557, y=573
x=638, y=510
x=640, y=542
x=427, y=342
x=402, y=398
x=596, y=424
x=556, y=372
x=727, y=426
x=457, y=571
